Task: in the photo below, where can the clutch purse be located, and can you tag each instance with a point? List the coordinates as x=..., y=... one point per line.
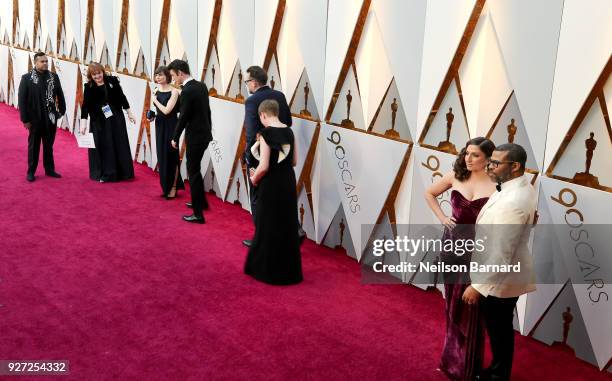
x=150, y=115
x=282, y=153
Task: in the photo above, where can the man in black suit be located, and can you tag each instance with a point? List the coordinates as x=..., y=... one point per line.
x=41, y=103
x=256, y=81
x=194, y=118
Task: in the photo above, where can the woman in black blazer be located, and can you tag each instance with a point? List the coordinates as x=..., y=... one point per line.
x=104, y=102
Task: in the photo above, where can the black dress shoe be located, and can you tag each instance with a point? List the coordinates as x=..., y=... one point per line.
x=30, y=177
x=53, y=174
x=194, y=219
x=247, y=242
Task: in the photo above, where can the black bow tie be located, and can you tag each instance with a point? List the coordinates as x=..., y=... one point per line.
x=498, y=187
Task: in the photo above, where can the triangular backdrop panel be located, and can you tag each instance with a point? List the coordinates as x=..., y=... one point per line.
x=227, y=119
x=361, y=160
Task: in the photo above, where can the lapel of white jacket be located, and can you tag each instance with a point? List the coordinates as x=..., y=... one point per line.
x=494, y=197
x=506, y=188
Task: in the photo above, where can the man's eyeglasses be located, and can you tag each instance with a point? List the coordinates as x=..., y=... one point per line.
x=246, y=82
x=493, y=164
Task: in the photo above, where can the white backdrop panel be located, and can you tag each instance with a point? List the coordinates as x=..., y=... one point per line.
x=227, y=119
x=344, y=13
x=402, y=23
x=235, y=38
x=575, y=74
x=444, y=26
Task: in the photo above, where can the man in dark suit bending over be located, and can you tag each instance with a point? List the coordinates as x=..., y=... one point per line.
x=194, y=118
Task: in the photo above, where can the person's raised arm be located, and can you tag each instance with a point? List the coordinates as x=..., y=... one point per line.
x=435, y=190
x=167, y=109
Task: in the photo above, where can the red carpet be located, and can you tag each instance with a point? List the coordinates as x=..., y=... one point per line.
x=108, y=277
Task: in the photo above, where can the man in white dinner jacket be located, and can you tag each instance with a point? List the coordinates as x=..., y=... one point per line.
x=505, y=221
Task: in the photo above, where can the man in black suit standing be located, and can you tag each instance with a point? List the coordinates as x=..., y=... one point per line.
x=41, y=103
x=194, y=118
x=256, y=81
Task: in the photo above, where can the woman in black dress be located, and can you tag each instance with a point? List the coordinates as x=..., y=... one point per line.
x=104, y=102
x=165, y=99
x=274, y=257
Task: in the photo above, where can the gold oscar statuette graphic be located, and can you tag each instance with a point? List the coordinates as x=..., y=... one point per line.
x=567, y=318
x=446, y=145
x=239, y=96
x=586, y=178
x=125, y=69
x=106, y=63
x=342, y=227
x=391, y=132
x=212, y=90
x=511, y=131
x=237, y=192
x=348, y=122
x=212, y=182
x=272, y=83
x=305, y=111
x=302, y=214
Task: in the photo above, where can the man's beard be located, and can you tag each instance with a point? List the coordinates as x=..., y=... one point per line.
x=501, y=178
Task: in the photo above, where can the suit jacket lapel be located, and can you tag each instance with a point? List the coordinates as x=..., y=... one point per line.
x=516, y=183
x=494, y=197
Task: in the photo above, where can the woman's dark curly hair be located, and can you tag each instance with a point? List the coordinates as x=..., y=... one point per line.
x=486, y=146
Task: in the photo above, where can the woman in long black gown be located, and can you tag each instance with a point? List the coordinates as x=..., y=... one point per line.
x=274, y=256
x=166, y=101
x=104, y=102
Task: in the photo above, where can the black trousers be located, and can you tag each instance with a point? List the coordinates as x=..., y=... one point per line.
x=194, y=156
x=498, y=316
x=252, y=193
x=45, y=132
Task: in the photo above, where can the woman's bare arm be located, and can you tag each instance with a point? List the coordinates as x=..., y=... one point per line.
x=435, y=190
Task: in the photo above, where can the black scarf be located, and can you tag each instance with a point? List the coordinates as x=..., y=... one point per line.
x=49, y=99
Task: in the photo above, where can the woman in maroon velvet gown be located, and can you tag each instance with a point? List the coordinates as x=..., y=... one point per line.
x=470, y=188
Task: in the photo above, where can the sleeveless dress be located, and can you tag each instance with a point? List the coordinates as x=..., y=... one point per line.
x=463, y=351
x=167, y=157
x=274, y=256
